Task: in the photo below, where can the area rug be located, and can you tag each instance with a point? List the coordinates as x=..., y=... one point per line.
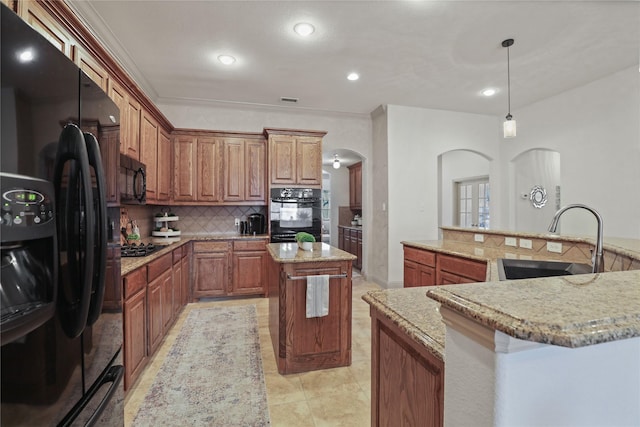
x=212, y=376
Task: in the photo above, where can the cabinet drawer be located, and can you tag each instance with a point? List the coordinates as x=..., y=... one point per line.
x=159, y=266
x=471, y=269
x=420, y=256
x=249, y=245
x=134, y=282
x=210, y=246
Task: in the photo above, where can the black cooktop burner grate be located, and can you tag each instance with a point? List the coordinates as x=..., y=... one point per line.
x=135, y=250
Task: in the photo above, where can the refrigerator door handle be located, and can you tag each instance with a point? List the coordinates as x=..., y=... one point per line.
x=111, y=374
x=100, y=206
x=74, y=300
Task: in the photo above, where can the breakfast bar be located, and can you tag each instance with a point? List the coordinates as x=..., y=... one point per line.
x=308, y=332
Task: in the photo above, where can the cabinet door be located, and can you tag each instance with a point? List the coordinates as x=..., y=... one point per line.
x=177, y=286
x=113, y=283
x=186, y=276
x=34, y=14
x=164, y=166
x=411, y=272
x=135, y=337
x=211, y=274
x=167, y=300
x=358, y=261
x=283, y=159
x=133, y=128
x=154, y=308
x=447, y=278
x=119, y=96
x=426, y=275
x=149, y=153
x=208, y=176
x=249, y=271
x=108, y=139
x=355, y=186
x=309, y=160
x=91, y=68
x=255, y=165
x=233, y=169
x=184, y=155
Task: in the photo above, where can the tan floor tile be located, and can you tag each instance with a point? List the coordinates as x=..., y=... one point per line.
x=341, y=408
x=361, y=370
x=283, y=388
x=296, y=414
x=325, y=381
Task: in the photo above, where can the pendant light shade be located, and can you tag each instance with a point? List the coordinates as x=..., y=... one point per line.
x=336, y=162
x=509, y=126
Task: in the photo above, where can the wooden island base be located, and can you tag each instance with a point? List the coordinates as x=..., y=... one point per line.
x=304, y=344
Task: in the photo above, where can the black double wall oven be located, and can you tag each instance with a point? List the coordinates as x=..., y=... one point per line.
x=294, y=210
x=60, y=351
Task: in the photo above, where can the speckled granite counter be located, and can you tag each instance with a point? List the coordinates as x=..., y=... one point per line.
x=133, y=263
x=289, y=252
x=569, y=311
x=414, y=313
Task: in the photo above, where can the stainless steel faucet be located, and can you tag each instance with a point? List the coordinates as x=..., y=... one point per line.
x=597, y=258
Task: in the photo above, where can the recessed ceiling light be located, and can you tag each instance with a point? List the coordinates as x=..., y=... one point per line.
x=26, y=55
x=226, y=59
x=303, y=29
x=489, y=92
x=353, y=76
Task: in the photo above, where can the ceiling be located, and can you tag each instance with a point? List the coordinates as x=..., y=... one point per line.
x=428, y=54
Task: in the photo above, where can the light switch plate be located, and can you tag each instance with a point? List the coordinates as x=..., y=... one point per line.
x=554, y=247
x=510, y=241
x=478, y=237
x=525, y=243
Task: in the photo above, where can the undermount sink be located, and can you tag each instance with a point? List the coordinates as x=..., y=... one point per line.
x=511, y=269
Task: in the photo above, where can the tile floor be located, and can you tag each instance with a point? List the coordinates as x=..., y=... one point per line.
x=331, y=397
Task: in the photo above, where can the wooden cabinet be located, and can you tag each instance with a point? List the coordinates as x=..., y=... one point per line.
x=426, y=268
x=208, y=170
x=39, y=18
x=154, y=320
x=355, y=187
x=184, y=183
x=132, y=141
x=135, y=324
x=160, y=299
x=91, y=68
x=249, y=267
x=186, y=274
x=196, y=168
x=350, y=240
x=229, y=268
x=149, y=153
x=243, y=169
x=112, y=287
x=211, y=268
x=165, y=167
x=295, y=157
x=419, y=267
x=177, y=282
x=109, y=140
x=407, y=382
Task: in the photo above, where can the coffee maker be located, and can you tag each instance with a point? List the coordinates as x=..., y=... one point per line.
x=256, y=224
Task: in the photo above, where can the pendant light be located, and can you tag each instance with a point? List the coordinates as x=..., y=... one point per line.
x=336, y=162
x=509, y=126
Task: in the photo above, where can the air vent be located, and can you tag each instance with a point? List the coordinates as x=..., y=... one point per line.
x=288, y=99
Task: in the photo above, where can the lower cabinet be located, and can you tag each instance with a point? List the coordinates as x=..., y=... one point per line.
x=350, y=240
x=185, y=294
x=229, y=268
x=407, y=382
x=135, y=324
x=427, y=268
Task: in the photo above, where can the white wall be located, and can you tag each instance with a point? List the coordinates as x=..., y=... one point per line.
x=596, y=130
x=378, y=192
x=416, y=137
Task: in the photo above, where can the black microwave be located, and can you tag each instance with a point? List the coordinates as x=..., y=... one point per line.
x=133, y=181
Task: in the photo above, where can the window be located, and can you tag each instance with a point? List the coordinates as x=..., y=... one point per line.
x=472, y=203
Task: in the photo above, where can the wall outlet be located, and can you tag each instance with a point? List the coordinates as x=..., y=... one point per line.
x=237, y=222
x=554, y=247
x=510, y=241
x=478, y=237
x=525, y=243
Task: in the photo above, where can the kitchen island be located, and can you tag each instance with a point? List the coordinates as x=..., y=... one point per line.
x=304, y=343
x=570, y=345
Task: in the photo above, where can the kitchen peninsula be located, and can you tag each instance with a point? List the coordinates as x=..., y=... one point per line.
x=569, y=344
x=304, y=343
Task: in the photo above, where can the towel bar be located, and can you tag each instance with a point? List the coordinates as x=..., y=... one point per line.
x=331, y=276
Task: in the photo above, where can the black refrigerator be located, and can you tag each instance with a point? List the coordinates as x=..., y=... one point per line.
x=61, y=361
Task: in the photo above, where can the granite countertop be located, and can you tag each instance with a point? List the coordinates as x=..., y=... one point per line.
x=418, y=316
x=128, y=264
x=289, y=252
x=569, y=311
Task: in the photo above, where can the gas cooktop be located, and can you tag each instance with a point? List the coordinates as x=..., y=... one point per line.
x=135, y=250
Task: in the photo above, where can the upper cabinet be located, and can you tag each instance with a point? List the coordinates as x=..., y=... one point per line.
x=219, y=168
x=91, y=68
x=149, y=153
x=295, y=157
x=355, y=187
x=40, y=19
x=165, y=166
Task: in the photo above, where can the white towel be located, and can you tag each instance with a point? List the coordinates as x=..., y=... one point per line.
x=317, y=295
